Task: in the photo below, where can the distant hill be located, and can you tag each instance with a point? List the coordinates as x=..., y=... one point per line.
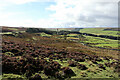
x=59, y=29
x=112, y=29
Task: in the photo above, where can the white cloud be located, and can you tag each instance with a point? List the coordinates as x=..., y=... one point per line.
x=68, y=13
x=90, y=13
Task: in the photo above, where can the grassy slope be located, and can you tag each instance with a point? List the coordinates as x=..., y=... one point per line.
x=99, y=31
x=93, y=70
x=100, y=42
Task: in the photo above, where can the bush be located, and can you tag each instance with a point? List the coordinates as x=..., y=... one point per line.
x=32, y=30
x=6, y=30
x=72, y=63
x=36, y=77
x=82, y=67
x=37, y=30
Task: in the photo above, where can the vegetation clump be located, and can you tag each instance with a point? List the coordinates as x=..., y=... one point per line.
x=81, y=66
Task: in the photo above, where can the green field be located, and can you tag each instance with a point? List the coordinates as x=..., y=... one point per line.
x=99, y=31
x=94, y=41
x=98, y=41
x=101, y=42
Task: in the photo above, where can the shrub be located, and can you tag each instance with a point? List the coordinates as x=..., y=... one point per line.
x=101, y=66
x=36, y=77
x=37, y=30
x=81, y=66
x=67, y=70
x=72, y=63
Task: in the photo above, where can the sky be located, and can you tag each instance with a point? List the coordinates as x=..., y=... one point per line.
x=59, y=13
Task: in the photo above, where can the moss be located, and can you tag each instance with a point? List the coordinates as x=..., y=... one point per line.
x=12, y=76
x=34, y=38
x=9, y=54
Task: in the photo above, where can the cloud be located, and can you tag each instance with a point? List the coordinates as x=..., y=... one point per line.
x=90, y=13
x=72, y=13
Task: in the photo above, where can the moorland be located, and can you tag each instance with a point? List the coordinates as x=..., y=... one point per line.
x=59, y=53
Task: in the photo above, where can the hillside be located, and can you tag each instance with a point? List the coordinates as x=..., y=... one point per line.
x=40, y=55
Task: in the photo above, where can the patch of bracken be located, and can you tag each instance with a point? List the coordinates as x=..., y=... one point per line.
x=72, y=63
x=101, y=66
x=108, y=64
x=95, y=62
x=79, y=59
x=67, y=70
x=36, y=77
x=81, y=66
